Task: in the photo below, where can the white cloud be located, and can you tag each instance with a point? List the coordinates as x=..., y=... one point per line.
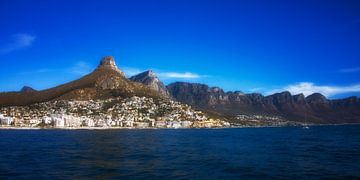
x=19, y=41
x=131, y=71
x=308, y=88
x=350, y=70
x=258, y=89
x=38, y=71
x=81, y=68
x=177, y=75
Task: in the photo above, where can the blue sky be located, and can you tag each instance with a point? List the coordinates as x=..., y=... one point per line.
x=253, y=46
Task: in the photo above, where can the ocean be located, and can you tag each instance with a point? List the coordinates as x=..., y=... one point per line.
x=235, y=153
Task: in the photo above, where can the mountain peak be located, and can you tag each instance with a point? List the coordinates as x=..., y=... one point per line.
x=316, y=98
x=150, y=79
x=108, y=63
x=148, y=73
x=27, y=89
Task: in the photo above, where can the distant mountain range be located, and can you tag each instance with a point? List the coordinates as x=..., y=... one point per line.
x=108, y=81
x=315, y=108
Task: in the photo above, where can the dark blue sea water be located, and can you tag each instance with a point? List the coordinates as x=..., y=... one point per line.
x=288, y=153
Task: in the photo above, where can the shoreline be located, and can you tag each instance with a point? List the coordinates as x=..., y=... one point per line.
x=134, y=128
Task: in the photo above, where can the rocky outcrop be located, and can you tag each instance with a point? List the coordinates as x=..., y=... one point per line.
x=316, y=108
x=108, y=63
x=150, y=79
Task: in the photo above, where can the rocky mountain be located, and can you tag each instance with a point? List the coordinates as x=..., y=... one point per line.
x=315, y=108
x=150, y=79
x=106, y=81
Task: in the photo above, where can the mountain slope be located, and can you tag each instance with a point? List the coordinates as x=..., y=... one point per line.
x=104, y=82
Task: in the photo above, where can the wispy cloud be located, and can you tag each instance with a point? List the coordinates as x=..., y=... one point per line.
x=349, y=70
x=37, y=71
x=18, y=41
x=308, y=88
x=83, y=68
x=80, y=68
x=129, y=71
x=178, y=75
x=258, y=89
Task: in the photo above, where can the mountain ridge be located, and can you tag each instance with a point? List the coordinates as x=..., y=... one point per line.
x=316, y=107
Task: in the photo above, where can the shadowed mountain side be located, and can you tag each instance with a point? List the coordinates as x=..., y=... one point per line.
x=314, y=108
x=104, y=82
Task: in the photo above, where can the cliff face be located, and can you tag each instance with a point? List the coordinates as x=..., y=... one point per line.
x=150, y=79
x=106, y=81
x=315, y=108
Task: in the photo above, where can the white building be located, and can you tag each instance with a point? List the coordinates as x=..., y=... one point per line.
x=186, y=124
x=101, y=123
x=152, y=122
x=113, y=123
x=88, y=122
x=58, y=120
x=5, y=120
x=47, y=120
x=34, y=122
x=141, y=124
x=160, y=124
x=226, y=124
x=72, y=121
x=128, y=123
x=175, y=124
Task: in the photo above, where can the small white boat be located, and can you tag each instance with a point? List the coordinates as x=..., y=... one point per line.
x=305, y=125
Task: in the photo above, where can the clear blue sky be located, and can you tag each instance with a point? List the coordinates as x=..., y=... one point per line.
x=253, y=46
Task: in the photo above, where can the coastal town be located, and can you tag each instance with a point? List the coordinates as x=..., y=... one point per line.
x=133, y=112
x=261, y=120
